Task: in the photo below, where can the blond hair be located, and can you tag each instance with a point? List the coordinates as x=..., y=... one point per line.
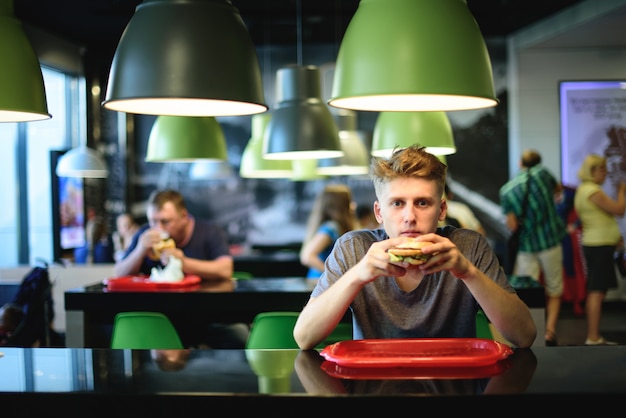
x=590, y=163
x=410, y=162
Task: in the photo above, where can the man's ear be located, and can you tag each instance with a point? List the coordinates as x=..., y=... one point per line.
x=443, y=210
x=377, y=214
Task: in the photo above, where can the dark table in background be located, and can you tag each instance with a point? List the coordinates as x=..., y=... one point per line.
x=270, y=263
x=71, y=382
x=90, y=310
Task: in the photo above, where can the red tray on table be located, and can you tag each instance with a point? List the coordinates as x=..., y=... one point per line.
x=404, y=358
x=144, y=283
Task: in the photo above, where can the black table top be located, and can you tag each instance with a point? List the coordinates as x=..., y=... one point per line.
x=225, y=376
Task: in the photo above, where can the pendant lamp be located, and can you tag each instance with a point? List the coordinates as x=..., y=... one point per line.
x=186, y=58
x=186, y=139
x=81, y=162
x=210, y=170
x=356, y=156
x=301, y=126
x=401, y=129
x=305, y=170
x=253, y=165
x=22, y=90
x=413, y=55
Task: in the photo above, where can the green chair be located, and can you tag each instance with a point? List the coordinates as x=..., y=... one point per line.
x=342, y=332
x=144, y=330
x=242, y=275
x=482, y=326
x=272, y=330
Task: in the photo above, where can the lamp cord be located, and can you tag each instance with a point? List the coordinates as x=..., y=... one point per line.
x=299, y=31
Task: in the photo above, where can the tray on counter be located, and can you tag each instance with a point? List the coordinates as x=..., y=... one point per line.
x=417, y=352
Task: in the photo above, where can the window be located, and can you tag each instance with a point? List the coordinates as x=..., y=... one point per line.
x=25, y=183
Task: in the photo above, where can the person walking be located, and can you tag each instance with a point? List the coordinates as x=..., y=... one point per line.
x=600, y=237
x=540, y=247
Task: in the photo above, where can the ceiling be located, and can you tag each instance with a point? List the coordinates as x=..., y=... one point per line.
x=100, y=23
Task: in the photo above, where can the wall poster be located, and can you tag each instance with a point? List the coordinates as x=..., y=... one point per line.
x=593, y=121
x=68, y=211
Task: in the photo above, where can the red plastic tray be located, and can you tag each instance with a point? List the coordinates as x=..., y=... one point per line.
x=426, y=352
x=144, y=283
x=413, y=373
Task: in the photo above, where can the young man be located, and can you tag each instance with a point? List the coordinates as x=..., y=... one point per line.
x=202, y=247
x=438, y=298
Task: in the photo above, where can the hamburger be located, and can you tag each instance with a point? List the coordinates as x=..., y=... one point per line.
x=410, y=252
x=160, y=246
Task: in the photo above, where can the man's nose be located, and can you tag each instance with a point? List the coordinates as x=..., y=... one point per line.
x=409, y=214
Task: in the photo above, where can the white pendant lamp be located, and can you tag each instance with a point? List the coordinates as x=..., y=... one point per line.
x=210, y=170
x=82, y=162
x=356, y=156
x=253, y=165
x=402, y=129
x=186, y=58
x=413, y=55
x=22, y=90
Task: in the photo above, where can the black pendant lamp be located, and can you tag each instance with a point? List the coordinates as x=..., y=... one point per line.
x=301, y=126
x=186, y=58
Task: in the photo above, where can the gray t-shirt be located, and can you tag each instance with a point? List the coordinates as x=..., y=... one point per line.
x=440, y=307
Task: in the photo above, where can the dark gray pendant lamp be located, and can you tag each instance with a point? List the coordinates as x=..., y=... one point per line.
x=301, y=126
x=413, y=55
x=186, y=58
x=22, y=90
x=356, y=156
x=253, y=165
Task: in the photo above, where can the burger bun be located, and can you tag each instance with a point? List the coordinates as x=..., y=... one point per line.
x=160, y=246
x=410, y=252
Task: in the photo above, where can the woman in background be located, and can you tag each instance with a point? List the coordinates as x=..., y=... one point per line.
x=600, y=237
x=126, y=227
x=332, y=216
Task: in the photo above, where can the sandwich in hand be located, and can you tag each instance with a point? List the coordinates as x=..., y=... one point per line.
x=160, y=246
x=410, y=252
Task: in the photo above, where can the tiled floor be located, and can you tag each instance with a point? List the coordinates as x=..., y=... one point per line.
x=572, y=327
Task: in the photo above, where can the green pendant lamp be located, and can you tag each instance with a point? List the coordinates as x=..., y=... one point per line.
x=253, y=165
x=305, y=170
x=301, y=126
x=401, y=129
x=186, y=58
x=413, y=55
x=82, y=162
x=356, y=156
x=186, y=139
x=22, y=90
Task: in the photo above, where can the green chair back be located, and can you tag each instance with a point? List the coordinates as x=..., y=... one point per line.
x=242, y=275
x=144, y=330
x=272, y=330
x=482, y=326
x=342, y=332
